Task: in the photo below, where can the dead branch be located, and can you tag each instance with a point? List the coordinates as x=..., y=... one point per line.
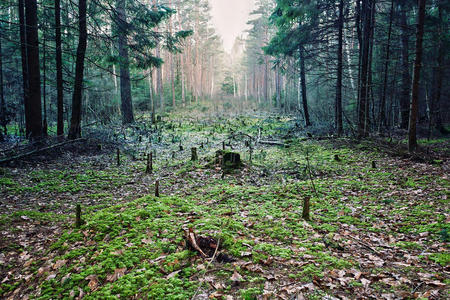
x=23, y=155
x=273, y=143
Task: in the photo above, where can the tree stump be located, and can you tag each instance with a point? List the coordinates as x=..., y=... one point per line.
x=194, y=156
x=157, y=188
x=149, y=167
x=228, y=160
x=78, y=220
x=118, y=157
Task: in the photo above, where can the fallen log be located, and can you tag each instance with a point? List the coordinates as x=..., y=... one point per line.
x=273, y=143
x=35, y=151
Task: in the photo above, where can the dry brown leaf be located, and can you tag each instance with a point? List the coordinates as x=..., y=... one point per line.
x=146, y=241
x=218, y=285
x=28, y=263
x=236, y=277
x=58, y=264
x=173, y=274
x=117, y=274
x=437, y=283
x=93, y=282
x=365, y=282
x=117, y=252
x=216, y=295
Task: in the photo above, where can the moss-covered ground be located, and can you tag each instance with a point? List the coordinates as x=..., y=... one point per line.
x=379, y=223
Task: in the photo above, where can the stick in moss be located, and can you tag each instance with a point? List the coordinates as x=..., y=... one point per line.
x=78, y=220
x=306, y=204
x=157, y=188
x=149, y=168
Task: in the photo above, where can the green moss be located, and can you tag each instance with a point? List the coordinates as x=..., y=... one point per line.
x=441, y=258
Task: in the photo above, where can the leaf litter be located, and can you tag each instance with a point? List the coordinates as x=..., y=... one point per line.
x=379, y=233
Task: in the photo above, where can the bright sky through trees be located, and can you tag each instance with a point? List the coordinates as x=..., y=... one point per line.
x=230, y=18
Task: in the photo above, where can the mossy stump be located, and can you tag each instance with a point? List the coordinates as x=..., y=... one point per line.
x=228, y=160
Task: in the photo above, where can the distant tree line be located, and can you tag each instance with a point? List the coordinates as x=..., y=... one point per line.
x=361, y=61
x=66, y=63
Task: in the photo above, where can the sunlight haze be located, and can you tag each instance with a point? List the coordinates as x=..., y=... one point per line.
x=230, y=18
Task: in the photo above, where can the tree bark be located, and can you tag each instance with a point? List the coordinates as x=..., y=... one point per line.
x=303, y=84
x=159, y=85
x=439, y=75
x=338, y=103
x=44, y=85
x=152, y=98
x=362, y=117
x=382, y=116
x=2, y=96
x=172, y=69
x=75, y=123
x=23, y=51
x=59, y=74
x=34, y=77
x=406, y=81
x=125, y=85
x=412, y=138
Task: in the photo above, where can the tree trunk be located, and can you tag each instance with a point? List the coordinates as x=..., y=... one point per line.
x=358, y=22
x=75, y=123
x=172, y=68
x=159, y=85
x=152, y=98
x=266, y=80
x=369, y=97
x=183, y=80
x=34, y=77
x=382, y=116
x=362, y=118
x=2, y=96
x=23, y=51
x=338, y=104
x=59, y=74
x=303, y=84
x=44, y=86
x=412, y=138
x=125, y=85
x=406, y=82
x=439, y=71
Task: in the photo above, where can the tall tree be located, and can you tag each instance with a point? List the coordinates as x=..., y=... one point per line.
x=338, y=103
x=2, y=93
x=23, y=52
x=382, y=116
x=75, y=122
x=303, y=84
x=34, y=78
x=366, y=15
x=412, y=137
x=59, y=71
x=436, y=114
x=125, y=85
x=406, y=80
x=159, y=83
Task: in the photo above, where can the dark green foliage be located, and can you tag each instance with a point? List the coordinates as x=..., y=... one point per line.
x=228, y=85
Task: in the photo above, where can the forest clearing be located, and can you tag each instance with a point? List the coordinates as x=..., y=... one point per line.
x=224, y=149
x=378, y=219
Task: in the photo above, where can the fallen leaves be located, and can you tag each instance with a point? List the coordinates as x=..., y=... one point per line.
x=58, y=264
x=117, y=274
x=236, y=277
x=93, y=282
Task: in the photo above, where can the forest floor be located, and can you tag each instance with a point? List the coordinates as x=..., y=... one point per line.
x=379, y=225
